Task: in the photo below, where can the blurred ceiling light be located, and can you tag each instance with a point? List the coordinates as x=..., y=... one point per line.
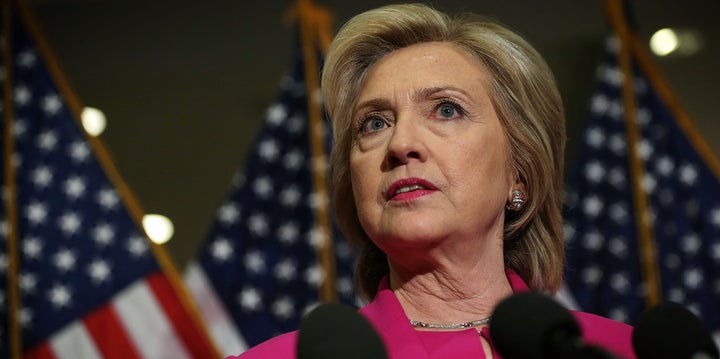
x=158, y=227
x=93, y=121
x=670, y=41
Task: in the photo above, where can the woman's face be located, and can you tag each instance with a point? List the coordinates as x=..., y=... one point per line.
x=429, y=159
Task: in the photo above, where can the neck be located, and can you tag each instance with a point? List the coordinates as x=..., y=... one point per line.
x=457, y=292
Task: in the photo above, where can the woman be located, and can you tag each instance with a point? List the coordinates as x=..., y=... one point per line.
x=447, y=174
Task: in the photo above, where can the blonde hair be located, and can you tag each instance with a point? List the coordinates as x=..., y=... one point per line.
x=525, y=98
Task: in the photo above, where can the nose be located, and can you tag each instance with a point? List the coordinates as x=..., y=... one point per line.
x=405, y=145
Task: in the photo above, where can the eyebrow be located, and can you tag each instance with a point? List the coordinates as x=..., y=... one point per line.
x=417, y=96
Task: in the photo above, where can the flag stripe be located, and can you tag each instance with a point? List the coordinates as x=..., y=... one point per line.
x=109, y=335
x=223, y=330
x=40, y=352
x=174, y=311
x=145, y=321
x=73, y=342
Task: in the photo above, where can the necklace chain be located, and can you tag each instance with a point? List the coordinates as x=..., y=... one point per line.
x=474, y=323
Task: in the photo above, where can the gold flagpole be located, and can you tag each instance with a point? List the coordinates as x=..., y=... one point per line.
x=646, y=238
x=315, y=31
x=15, y=332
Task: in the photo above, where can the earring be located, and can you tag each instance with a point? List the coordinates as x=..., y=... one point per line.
x=517, y=201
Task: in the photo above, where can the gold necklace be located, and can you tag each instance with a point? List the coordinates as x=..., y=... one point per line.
x=474, y=323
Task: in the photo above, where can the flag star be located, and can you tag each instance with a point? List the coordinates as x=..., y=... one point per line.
x=79, y=151
x=26, y=317
x=32, y=248
x=283, y=308
x=715, y=216
x=315, y=200
x=345, y=285
x=69, y=223
x=316, y=237
x=285, y=270
x=314, y=275
x=47, y=140
x=263, y=187
x=619, y=314
x=16, y=160
x=688, y=174
x=613, y=76
x=593, y=240
x=619, y=282
x=643, y=116
x=290, y=196
x=569, y=232
x=250, y=299
x=36, y=212
x=693, y=278
x=3, y=262
x=715, y=251
x=297, y=123
x=22, y=95
x=26, y=58
x=672, y=261
x=649, y=183
x=288, y=233
x=592, y=275
x=691, y=244
x=228, y=213
x=293, y=160
x=617, y=145
x=618, y=212
x=618, y=247
x=595, y=137
x=617, y=178
x=64, y=260
x=221, y=249
x=592, y=206
x=137, y=246
x=645, y=149
x=343, y=250
x=28, y=283
x=103, y=234
x=3, y=229
x=276, y=114
x=255, y=262
x=108, y=198
x=51, y=104
x=599, y=104
x=74, y=187
x=99, y=271
x=268, y=150
x=594, y=172
x=42, y=176
x=19, y=128
x=60, y=296
x=665, y=166
x=258, y=225
x=676, y=295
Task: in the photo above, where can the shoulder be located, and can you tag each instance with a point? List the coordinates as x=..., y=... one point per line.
x=279, y=347
x=606, y=333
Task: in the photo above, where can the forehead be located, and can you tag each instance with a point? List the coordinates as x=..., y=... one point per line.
x=429, y=64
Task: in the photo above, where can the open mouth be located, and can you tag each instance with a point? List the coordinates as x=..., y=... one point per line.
x=409, y=188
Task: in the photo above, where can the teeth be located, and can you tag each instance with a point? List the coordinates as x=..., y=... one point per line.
x=408, y=188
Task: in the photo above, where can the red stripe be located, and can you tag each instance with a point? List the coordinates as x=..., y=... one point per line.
x=43, y=351
x=109, y=335
x=191, y=335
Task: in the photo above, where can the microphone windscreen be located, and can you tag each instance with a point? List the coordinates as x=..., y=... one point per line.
x=338, y=331
x=671, y=331
x=532, y=326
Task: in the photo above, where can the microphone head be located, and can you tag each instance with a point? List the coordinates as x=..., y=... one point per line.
x=533, y=326
x=338, y=331
x=671, y=331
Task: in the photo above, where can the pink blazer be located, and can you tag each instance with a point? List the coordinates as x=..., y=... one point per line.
x=403, y=341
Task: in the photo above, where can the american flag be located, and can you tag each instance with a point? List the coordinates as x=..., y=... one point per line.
x=90, y=285
x=257, y=274
x=603, y=270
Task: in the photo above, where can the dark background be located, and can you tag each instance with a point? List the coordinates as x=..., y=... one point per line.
x=184, y=84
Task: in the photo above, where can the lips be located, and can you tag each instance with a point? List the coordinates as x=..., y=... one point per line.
x=409, y=188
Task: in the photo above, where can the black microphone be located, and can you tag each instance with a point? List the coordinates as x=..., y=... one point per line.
x=534, y=326
x=671, y=331
x=338, y=331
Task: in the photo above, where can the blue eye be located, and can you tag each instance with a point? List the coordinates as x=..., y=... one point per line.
x=447, y=111
x=372, y=124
